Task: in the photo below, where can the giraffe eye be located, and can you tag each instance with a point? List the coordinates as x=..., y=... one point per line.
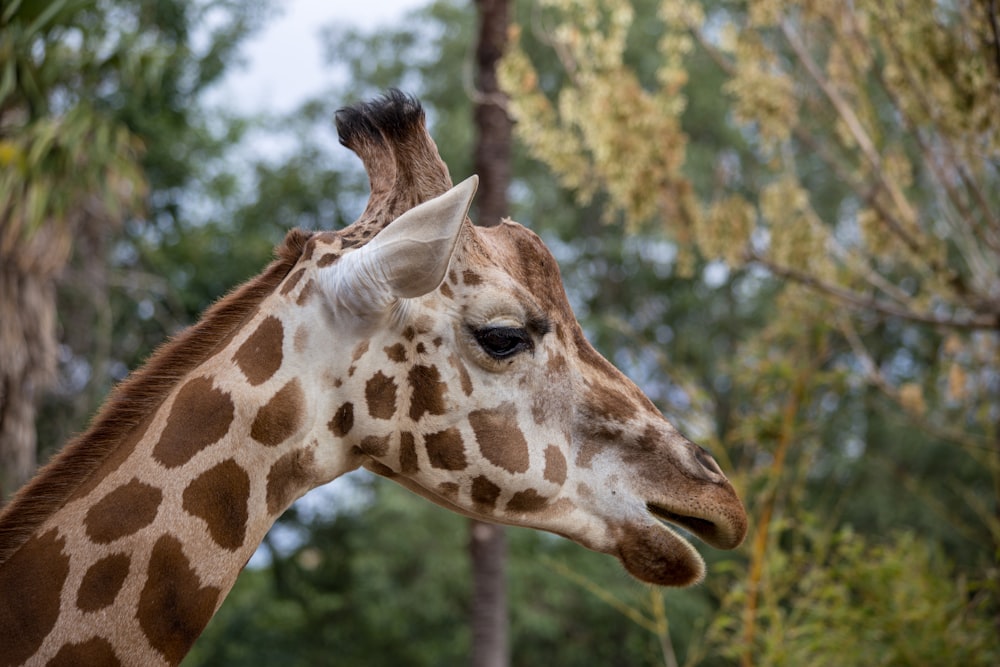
x=503, y=342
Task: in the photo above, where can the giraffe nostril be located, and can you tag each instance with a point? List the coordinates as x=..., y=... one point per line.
x=706, y=460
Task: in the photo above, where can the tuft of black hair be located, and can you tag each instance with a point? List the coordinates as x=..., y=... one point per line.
x=392, y=116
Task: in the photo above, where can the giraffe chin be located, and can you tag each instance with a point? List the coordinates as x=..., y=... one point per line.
x=654, y=553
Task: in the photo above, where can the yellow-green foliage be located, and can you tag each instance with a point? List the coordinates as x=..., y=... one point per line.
x=842, y=599
x=895, y=101
x=62, y=160
x=866, y=186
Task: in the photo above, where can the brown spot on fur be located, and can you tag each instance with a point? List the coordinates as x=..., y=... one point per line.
x=301, y=339
x=428, y=392
x=359, y=351
x=555, y=465
x=102, y=582
x=560, y=507
x=306, y=292
x=452, y=277
x=343, y=420
x=396, y=352
x=609, y=403
x=445, y=450
x=540, y=408
x=374, y=445
x=281, y=417
x=380, y=395
x=287, y=478
x=409, y=333
x=260, y=355
x=200, y=417
x=532, y=265
x=463, y=374
x=556, y=365
x=500, y=438
x=485, y=492
x=594, y=440
x=173, y=606
x=95, y=651
x=446, y=291
x=408, y=463
x=448, y=490
x=650, y=439
x=327, y=259
x=124, y=511
x=220, y=496
x=33, y=576
x=309, y=249
x=471, y=278
x=526, y=501
x=292, y=281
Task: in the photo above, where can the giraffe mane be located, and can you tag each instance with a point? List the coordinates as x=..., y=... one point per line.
x=138, y=395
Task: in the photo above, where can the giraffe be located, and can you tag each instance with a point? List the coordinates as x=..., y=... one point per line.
x=437, y=354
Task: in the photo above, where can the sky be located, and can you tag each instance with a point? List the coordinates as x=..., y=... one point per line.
x=284, y=61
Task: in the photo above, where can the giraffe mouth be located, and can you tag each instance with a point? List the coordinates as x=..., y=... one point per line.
x=707, y=530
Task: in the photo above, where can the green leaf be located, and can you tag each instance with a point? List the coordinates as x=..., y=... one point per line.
x=10, y=10
x=52, y=8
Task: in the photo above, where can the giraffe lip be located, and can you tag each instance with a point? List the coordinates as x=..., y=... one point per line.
x=707, y=530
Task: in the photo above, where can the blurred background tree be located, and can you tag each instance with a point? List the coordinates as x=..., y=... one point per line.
x=779, y=218
x=102, y=144
x=866, y=199
x=69, y=168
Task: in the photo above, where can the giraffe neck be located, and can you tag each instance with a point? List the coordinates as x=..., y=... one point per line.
x=148, y=543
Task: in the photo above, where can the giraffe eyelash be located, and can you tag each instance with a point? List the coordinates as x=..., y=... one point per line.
x=503, y=342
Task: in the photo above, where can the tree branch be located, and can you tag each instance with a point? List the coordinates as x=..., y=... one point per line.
x=978, y=448
x=861, y=302
x=991, y=11
x=948, y=150
x=853, y=124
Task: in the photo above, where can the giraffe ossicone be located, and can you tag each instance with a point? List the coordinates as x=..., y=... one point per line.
x=438, y=354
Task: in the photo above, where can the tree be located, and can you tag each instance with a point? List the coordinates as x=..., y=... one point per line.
x=487, y=542
x=100, y=135
x=69, y=167
x=867, y=200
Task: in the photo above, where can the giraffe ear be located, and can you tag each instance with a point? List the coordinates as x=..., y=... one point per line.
x=413, y=252
x=405, y=260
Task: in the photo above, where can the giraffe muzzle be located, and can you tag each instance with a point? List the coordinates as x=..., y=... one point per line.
x=724, y=534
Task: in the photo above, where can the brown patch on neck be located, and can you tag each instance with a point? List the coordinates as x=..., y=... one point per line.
x=131, y=403
x=34, y=577
x=173, y=606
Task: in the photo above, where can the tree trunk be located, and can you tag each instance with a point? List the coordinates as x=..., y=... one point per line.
x=488, y=542
x=488, y=551
x=493, y=127
x=27, y=350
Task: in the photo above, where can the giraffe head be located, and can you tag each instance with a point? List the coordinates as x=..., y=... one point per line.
x=473, y=383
